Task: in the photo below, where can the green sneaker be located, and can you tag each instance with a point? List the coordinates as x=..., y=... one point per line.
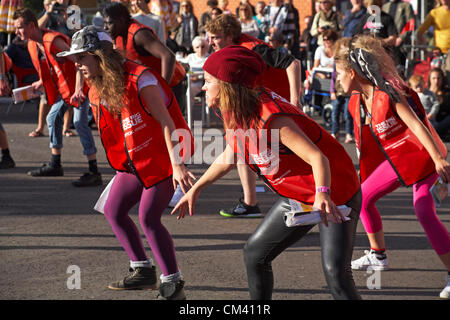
x=242, y=210
x=140, y=278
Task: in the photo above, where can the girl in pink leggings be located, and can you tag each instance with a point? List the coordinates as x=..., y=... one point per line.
x=396, y=146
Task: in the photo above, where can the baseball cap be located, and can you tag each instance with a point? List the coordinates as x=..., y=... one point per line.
x=89, y=38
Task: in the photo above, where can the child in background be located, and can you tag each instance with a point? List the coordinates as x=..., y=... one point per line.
x=427, y=98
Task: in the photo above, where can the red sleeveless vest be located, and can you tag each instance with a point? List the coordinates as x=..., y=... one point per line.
x=57, y=77
x=288, y=175
x=149, y=61
x=133, y=140
x=272, y=78
x=388, y=137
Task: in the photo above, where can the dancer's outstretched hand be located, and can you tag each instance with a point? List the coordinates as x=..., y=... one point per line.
x=187, y=202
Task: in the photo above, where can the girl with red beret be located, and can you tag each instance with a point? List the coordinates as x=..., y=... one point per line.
x=307, y=165
x=397, y=146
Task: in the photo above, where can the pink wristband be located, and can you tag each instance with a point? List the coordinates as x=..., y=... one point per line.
x=323, y=189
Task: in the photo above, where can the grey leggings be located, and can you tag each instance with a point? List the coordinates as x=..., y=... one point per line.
x=272, y=237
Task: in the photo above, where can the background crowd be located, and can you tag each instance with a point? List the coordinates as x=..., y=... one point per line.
x=276, y=22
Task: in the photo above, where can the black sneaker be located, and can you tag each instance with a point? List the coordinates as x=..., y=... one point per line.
x=88, y=180
x=7, y=163
x=140, y=278
x=46, y=170
x=242, y=210
x=172, y=291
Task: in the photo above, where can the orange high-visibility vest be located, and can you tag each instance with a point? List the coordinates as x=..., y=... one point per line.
x=288, y=175
x=57, y=77
x=149, y=61
x=134, y=140
x=387, y=137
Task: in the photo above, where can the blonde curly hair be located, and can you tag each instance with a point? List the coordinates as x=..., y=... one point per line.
x=374, y=46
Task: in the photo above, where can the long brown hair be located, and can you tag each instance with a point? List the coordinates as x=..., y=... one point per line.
x=239, y=106
x=110, y=83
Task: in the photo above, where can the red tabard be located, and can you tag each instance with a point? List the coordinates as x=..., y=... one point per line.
x=149, y=61
x=388, y=137
x=57, y=77
x=134, y=140
x=288, y=175
x=273, y=78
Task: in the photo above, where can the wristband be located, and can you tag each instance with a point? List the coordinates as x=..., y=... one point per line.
x=323, y=189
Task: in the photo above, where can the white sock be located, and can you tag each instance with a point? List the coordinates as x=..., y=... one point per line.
x=174, y=277
x=141, y=264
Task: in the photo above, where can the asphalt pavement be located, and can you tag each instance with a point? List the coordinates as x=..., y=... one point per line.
x=55, y=246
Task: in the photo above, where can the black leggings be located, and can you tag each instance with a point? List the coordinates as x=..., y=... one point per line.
x=272, y=237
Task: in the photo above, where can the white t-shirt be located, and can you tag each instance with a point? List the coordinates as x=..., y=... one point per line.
x=148, y=79
x=325, y=61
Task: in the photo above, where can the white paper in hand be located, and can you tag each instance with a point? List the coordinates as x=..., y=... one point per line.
x=100, y=204
x=302, y=214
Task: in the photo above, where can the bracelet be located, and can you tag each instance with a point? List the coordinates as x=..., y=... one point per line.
x=323, y=189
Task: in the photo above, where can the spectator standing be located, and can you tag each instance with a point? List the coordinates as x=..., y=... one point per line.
x=223, y=5
x=7, y=161
x=437, y=84
x=325, y=19
x=291, y=31
x=244, y=2
x=259, y=17
x=352, y=18
x=248, y=23
x=205, y=17
x=165, y=10
x=378, y=23
x=141, y=13
x=439, y=19
x=275, y=15
x=187, y=28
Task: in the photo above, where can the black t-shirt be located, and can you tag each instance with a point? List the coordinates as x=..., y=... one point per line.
x=384, y=27
x=273, y=57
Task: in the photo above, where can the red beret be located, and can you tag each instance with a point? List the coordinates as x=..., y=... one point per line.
x=235, y=64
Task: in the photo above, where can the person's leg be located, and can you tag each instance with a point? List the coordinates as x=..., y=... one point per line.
x=247, y=207
x=348, y=122
x=55, y=119
x=335, y=118
x=7, y=161
x=81, y=122
x=270, y=239
x=44, y=108
x=68, y=116
x=425, y=209
x=125, y=192
x=337, y=247
x=382, y=181
x=151, y=207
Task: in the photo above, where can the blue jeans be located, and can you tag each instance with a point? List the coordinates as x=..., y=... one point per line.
x=55, y=122
x=339, y=105
x=81, y=123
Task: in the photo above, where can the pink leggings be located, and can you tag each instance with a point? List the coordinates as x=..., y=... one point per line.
x=384, y=180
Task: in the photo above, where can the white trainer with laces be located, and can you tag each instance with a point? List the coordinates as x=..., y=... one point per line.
x=370, y=260
x=445, y=293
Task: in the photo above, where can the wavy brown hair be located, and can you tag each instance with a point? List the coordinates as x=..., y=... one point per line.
x=110, y=83
x=239, y=106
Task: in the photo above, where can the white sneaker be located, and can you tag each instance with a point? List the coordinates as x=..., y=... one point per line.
x=178, y=194
x=445, y=293
x=370, y=260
